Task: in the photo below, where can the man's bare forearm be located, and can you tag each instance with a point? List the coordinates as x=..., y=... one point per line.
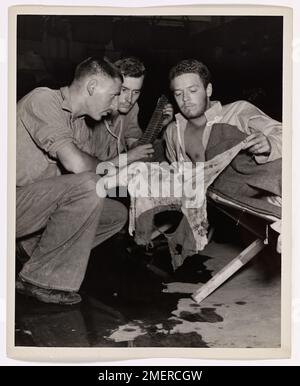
x=87, y=164
x=77, y=161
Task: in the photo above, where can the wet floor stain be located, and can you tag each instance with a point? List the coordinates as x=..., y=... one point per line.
x=160, y=335
x=186, y=321
x=128, y=332
x=206, y=315
x=174, y=321
x=193, y=270
x=139, y=316
x=190, y=317
x=187, y=311
x=195, y=305
x=169, y=324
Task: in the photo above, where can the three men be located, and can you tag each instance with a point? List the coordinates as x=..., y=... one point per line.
x=57, y=156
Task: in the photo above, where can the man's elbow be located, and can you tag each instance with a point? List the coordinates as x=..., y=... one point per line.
x=79, y=166
x=76, y=161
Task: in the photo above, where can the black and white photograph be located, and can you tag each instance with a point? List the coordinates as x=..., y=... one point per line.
x=148, y=192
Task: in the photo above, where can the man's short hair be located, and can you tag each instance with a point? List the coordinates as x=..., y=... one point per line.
x=97, y=66
x=193, y=66
x=131, y=67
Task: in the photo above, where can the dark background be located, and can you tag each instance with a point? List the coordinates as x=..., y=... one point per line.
x=244, y=53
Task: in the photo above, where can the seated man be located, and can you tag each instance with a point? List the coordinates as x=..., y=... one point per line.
x=202, y=121
x=187, y=138
x=122, y=132
x=53, y=138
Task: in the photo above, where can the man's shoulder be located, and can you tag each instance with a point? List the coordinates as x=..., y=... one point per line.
x=171, y=130
x=171, y=126
x=240, y=104
x=44, y=92
x=41, y=95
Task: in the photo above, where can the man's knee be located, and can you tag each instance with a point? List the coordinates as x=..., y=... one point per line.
x=86, y=184
x=87, y=181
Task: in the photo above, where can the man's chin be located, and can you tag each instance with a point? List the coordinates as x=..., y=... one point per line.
x=124, y=110
x=192, y=114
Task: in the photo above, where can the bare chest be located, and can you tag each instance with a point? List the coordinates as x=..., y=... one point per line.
x=194, y=145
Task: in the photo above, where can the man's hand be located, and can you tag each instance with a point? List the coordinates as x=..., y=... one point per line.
x=140, y=152
x=168, y=113
x=258, y=144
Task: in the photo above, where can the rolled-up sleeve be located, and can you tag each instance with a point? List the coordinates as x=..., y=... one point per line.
x=273, y=131
x=250, y=119
x=46, y=122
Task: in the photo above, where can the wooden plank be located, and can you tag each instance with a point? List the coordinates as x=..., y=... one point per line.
x=225, y=273
x=160, y=230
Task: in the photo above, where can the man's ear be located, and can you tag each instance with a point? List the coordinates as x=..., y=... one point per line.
x=209, y=90
x=91, y=85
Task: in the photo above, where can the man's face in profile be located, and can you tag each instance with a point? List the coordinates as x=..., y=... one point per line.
x=103, y=97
